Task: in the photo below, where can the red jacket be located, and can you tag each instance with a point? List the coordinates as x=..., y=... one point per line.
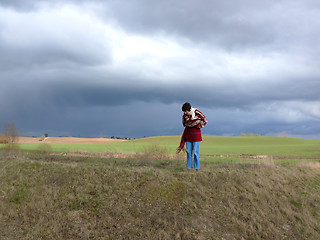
x=193, y=124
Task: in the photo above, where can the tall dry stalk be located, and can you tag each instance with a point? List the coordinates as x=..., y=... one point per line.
x=10, y=132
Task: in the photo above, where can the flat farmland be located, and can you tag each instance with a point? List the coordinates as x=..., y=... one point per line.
x=211, y=148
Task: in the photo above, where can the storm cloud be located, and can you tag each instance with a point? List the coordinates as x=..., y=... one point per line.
x=89, y=68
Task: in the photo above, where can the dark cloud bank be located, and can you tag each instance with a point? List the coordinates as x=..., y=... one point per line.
x=65, y=88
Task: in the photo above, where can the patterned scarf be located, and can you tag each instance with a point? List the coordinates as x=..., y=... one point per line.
x=182, y=143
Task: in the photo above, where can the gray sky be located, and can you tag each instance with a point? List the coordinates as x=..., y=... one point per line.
x=124, y=68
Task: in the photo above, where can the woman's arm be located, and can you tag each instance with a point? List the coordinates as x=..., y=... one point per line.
x=198, y=122
x=203, y=118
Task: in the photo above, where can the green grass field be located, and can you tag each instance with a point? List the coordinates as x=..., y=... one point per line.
x=210, y=147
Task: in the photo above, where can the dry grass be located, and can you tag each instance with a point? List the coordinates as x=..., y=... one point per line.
x=51, y=197
x=4, y=139
x=309, y=164
x=157, y=152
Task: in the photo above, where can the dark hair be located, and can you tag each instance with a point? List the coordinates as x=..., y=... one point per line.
x=186, y=107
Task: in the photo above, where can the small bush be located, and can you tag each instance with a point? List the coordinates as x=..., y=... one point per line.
x=11, y=147
x=44, y=148
x=155, y=152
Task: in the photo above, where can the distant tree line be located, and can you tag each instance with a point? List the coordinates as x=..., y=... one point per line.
x=126, y=138
x=250, y=134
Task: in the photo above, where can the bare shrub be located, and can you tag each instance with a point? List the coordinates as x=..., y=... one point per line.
x=10, y=132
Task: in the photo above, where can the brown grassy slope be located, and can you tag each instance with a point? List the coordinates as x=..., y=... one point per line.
x=51, y=197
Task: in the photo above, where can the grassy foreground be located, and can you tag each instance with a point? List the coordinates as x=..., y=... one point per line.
x=54, y=197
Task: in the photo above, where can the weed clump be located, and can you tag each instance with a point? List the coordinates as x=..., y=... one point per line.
x=156, y=152
x=44, y=148
x=12, y=147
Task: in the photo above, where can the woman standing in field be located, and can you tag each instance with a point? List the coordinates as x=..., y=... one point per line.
x=193, y=120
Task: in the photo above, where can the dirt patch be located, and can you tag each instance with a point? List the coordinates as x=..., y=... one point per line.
x=67, y=140
x=314, y=165
x=259, y=156
x=120, y=155
x=252, y=156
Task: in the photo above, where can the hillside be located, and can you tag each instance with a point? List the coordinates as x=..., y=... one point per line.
x=51, y=197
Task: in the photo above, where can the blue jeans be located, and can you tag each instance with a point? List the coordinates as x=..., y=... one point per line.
x=193, y=147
